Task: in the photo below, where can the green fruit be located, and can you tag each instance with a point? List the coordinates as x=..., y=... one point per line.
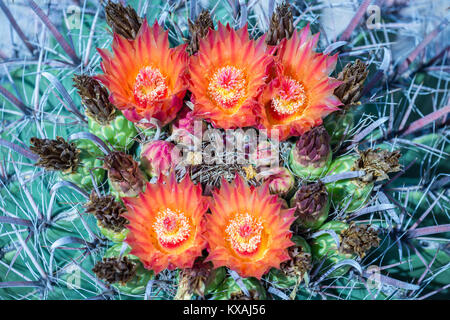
x=309, y=172
x=89, y=159
x=120, y=132
x=337, y=124
x=138, y=283
x=112, y=235
x=229, y=287
x=215, y=279
x=325, y=246
x=343, y=191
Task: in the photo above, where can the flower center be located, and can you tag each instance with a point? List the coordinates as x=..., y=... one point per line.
x=244, y=233
x=171, y=227
x=291, y=97
x=150, y=85
x=227, y=87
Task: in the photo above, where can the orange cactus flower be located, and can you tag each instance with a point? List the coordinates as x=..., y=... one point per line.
x=302, y=93
x=248, y=231
x=227, y=76
x=167, y=224
x=145, y=77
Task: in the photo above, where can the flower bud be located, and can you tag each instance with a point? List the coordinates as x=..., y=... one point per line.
x=124, y=174
x=311, y=203
x=157, y=158
x=280, y=180
x=311, y=155
x=183, y=127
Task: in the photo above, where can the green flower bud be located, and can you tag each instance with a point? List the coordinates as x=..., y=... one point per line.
x=310, y=157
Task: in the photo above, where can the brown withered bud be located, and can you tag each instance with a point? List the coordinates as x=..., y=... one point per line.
x=353, y=76
x=198, y=30
x=124, y=173
x=123, y=20
x=311, y=203
x=358, y=239
x=377, y=164
x=254, y=295
x=96, y=99
x=313, y=148
x=107, y=211
x=56, y=154
x=193, y=280
x=281, y=24
x=114, y=270
x=299, y=264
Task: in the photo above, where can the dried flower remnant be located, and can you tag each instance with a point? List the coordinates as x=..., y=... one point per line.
x=96, y=99
x=353, y=77
x=299, y=264
x=198, y=30
x=377, y=163
x=108, y=211
x=281, y=24
x=358, y=239
x=56, y=154
x=114, y=270
x=123, y=20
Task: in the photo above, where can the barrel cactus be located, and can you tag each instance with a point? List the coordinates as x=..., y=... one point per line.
x=223, y=151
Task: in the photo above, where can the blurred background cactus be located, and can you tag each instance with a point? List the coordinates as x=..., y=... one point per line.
x=61, y=141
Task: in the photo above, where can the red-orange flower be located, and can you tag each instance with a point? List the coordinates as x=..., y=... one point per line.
x=145, y=77
x=167, y=223
x=302, y=93
x=227, y=76
x=248, y=231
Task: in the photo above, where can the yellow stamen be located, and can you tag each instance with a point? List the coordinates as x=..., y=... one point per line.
x=171, y=227
x=290, y=98
x=244, y=233
x=150, y=85
x=227, y=87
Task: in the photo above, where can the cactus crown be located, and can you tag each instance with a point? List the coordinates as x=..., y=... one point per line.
x=56, y=154
x=123, y=20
